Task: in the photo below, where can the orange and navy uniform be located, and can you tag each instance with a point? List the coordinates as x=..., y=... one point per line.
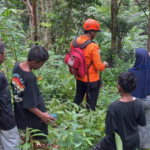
x=91, y=52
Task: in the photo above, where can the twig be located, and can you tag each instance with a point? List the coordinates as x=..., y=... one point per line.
x=119, y=6
x=142, y=9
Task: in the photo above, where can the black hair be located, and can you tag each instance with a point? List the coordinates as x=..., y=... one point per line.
x=127, y=81
x=88, y=31
x=38, y=53
x=2, y=47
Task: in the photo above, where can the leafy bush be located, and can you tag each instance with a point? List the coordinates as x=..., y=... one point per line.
x=110, y=75
x=55, y=80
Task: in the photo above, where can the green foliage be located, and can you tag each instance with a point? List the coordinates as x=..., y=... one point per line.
x=110, y=75
x=55, y=79
x=29, y=141
x=77, y=3
x=76, y=128
x=135, y=39
x=11, y=31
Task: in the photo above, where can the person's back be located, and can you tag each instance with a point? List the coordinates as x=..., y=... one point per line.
x=9, y=136
x=90, y=83
x=91, y=52
x=123, y=117
x=141, y=70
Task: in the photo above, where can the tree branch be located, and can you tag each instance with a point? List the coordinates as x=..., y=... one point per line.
x=28, y=6
x=119, y=6
x=142, y=9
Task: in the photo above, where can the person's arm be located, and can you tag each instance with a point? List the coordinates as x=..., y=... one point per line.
x=44, y=116
x=1, y=84
x=110, y=123
x=30, y=100
x=96, y=58
x=141, y=118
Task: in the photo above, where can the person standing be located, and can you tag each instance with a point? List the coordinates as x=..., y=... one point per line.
x=93, y=62
x=141, y=70
x=9, y=136
x=123, y=117
x=29, y=106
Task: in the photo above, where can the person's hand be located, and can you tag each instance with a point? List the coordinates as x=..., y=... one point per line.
x=106, y=64
x=46, y=118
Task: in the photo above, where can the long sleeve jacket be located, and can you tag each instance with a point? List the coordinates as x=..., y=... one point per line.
x=92, y=54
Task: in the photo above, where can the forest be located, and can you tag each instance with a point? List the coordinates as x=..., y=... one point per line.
x=125, y=26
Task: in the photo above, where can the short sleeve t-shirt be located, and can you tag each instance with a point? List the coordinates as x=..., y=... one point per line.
x=26, y=94
x=7, y=119
x=123, y=118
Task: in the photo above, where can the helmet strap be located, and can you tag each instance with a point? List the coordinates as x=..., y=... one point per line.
x=92, y=36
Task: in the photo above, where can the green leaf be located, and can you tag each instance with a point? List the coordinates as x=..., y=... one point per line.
x=26, y=146
x=27, y=134
x=59, y=112
x=35, y=130
x=75, y=126
x=39, y=134
x=13, y=10
x=78, y=144
x=2, y=10
x=118, y=142
x=9, y=23
x=89, y=142
x=13, y=34
x=1, y=18
x=36, y=141
x=87, y=130
x=44, y=24
x=21, y=35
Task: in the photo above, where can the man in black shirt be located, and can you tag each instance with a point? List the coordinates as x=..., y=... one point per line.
x=9, y=136
x=29, y=104
x=123, y=116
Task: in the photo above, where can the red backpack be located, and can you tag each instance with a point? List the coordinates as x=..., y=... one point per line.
x=75, y=59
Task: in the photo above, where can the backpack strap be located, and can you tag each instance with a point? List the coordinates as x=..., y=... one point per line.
x=75, y=44
x=85, y=44
x=90, y=65
x=88, y=83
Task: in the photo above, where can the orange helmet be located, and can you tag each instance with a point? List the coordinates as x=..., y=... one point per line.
x=91, y=24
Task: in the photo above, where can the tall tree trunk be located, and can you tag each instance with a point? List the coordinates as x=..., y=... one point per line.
x=45, y=28
x=114, y=25
x=119, y=47
x=34, y=8
x=39, y=20
x=30, y=11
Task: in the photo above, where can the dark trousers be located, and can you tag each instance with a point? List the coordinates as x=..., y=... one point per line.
x=81, y=89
